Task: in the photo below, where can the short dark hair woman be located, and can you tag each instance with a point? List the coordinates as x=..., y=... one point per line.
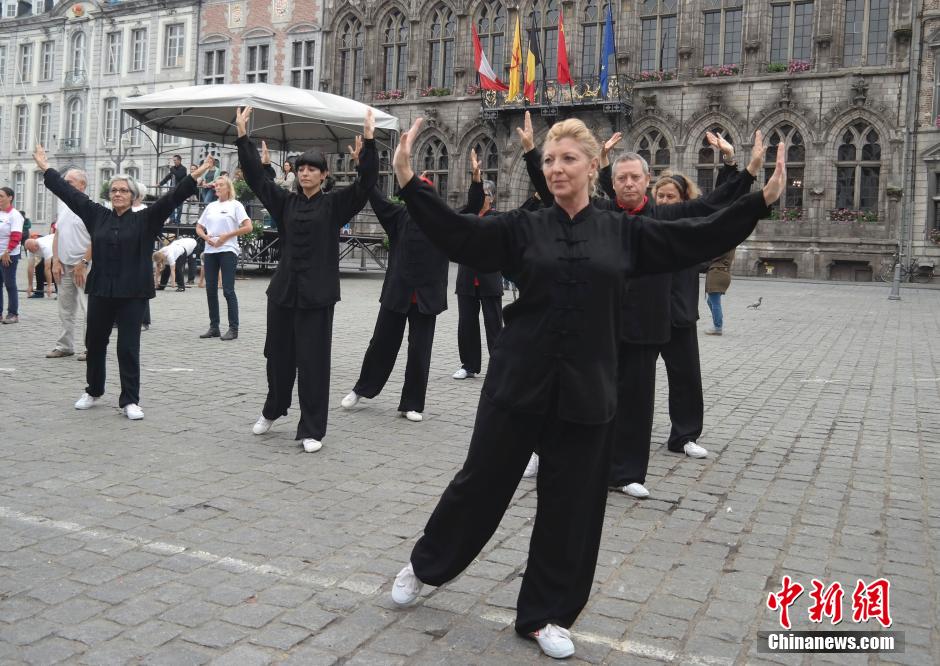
x=120, y=282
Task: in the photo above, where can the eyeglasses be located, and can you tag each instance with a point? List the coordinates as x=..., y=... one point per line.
x=120, y=190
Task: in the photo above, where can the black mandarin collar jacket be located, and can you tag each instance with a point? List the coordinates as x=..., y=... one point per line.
x=307, y=275
x=121, y=245
x=558, y=350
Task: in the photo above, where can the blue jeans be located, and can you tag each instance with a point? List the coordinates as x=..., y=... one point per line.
x=714, y=304
x=8, y=280
x=226, y=261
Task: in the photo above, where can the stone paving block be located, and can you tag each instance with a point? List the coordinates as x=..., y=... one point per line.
x=246, y=655
x=75, y=610
x=116, y=652
x=191, y=613
x=51, y=650
x=215, y=634
x=280, y=636
x=253, y=615
x=178, y=654
x=91, y=632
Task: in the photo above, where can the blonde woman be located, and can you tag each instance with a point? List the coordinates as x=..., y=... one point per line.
x=552, y=379
x=220, y=225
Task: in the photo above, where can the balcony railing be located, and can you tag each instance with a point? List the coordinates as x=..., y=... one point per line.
x=72, y=145
x=76, y=78
x=550, y=95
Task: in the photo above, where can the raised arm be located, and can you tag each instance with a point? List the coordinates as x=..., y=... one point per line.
x=271, y=195
x=485, y=246
x=349, y=200
x=533, y=160
x=162, y=207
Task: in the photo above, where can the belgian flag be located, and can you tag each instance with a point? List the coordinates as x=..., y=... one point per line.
x=533, y=60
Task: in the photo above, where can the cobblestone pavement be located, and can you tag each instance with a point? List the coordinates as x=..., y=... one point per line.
x=184, y=539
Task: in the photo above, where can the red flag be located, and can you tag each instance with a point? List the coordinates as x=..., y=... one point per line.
x=564, y=74
x=488, y=78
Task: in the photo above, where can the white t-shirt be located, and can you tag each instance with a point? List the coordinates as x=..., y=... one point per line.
x=222, y=217
x=45, y=245
x=175, y=250
x=73, y=236
x=10, y=221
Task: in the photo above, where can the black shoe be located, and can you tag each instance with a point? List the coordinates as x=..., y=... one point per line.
x=230, y=334
x=181, y=289
x=36, y=294
x=211, y=333
x=161, y=287
x=145, y=327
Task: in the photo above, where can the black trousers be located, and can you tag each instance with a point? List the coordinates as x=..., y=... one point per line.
x=102, y=314
x=572, y=496
x=686, y=404
x=40, y=273
x=383, y=350
x=636, y=392
x=468, y=327
x=180, y=272
x=298, y=344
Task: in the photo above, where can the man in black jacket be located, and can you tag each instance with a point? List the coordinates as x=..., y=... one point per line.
x=476, y=291
x=174, y=177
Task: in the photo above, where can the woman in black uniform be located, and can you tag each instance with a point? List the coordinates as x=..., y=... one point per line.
x=552, y=379
x=305, y=288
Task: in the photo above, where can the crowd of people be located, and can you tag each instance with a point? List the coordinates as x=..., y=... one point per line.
x=608, y=281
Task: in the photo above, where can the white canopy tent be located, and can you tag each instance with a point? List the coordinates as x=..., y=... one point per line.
x=287, y=118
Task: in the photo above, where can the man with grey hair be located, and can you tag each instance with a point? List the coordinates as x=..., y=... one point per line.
x=71, y=260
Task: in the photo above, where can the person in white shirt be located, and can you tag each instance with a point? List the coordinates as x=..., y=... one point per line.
x=11, y=234
x=220, y=224
x=42, y=246
x=169, y=263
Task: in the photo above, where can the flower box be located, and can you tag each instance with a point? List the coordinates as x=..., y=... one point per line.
x=720, y=70
x=431, y=91
x=846, y=215
x=656, y=75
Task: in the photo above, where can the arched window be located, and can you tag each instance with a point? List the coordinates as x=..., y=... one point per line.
x=796, y=162
x=491, y=26
x=658, y=32
x=709, y=160
x=435, y=161
x=488, y=156
x=544, y=16
x=395, y=51
x=592, y=37
x=75, y=117
x=350, y=58
x=78, y=52
x=858, y=168
x=441, y=48
x=654, y=148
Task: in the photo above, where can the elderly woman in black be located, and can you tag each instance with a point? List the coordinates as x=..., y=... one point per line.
x=305, y=287
x=121, y=279
x=552, y=378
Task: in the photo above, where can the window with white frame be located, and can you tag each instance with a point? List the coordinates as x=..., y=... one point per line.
x=213, y=66
x=113, y=54
x=134, y=172
x=135, y=131
x=46, y=60
x=658, y=34
x=858, y=168
x=709, y=160
x=138, y=49
x=303, y=55
x=350, y=58
x=110, y=120
x=792, y=196
x=257, y=70
x=174, y=42
x=22, y=127
x=75, y=118
x=105, y=176
x=40, y=198
x=45, y=123
x=3, y=63
x=866, y=32
x=169, y=140
x=78, y=52
x=394, y=51
x=19, y=186
x=722, y=23
x=10, y=9
x=791, y=31
x=24, y=73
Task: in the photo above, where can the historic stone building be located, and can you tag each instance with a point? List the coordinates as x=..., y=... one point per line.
x=64, y=68
x=830, y=77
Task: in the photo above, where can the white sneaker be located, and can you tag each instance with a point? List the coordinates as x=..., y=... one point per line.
x=86, y=402
x=532, y=469
x=637, y=490
x=261, y=426
x=555, y=641
x=693, y=450
x=413, y=416
x=133, y=412
x=312, y=445
x=407, y=587
x=463, y=374
x=350, y=400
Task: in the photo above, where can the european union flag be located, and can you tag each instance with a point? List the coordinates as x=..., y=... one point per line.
x=607, y=52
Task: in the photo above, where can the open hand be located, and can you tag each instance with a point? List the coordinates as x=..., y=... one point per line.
x=758, y=152
x=205, y=166
x=609, y=145
x=241, y=120
x=775, y=184
x=526, y=133
x=402, y=159
x=39, y=155
x=354, y=152
x=265, y=154
x=475, y=166
x=368, y=127
x=715, y=140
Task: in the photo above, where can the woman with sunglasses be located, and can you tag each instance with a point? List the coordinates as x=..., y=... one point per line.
x=120, y=283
